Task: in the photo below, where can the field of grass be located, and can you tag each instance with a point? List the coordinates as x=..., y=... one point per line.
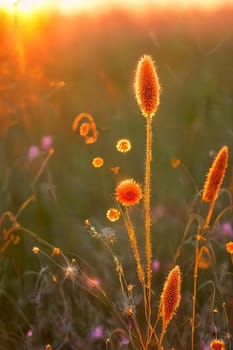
x=55, y=68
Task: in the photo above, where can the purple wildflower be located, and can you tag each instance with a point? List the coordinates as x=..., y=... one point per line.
x=124, y=341
x=227, y=229
x=46, y=142
x=96, y=333
x=155, y=265
x=33, y=152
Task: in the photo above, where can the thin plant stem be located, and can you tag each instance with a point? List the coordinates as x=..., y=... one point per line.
x=195, y=272
x=195, y=275
x=147, y=187
x=134, y=245
x=209, y=215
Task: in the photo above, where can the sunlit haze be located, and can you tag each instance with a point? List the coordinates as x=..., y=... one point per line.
x=71, y=6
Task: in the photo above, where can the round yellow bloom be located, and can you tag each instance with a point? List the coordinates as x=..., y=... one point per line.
x=97, y=162
x=123, y=145
x=113, y=214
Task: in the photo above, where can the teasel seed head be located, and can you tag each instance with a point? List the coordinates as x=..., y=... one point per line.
x=215, y=176
x=147, y=86
x=170, y=298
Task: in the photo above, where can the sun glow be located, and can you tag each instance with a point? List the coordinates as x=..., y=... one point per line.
x=32, y=7
x=24, y=7
x=69, y=6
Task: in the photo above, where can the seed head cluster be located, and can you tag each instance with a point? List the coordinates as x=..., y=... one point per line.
x=215, y=176
x=170, y=298
x=146, y=85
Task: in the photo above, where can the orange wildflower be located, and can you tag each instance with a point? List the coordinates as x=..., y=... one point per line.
x=215, y=176
x=229, y=247
x=170, y=298
x=128, y=192
x=97, y=162
x=123, y=145
x=147, y=86
x=113, y=214
x=217, y=345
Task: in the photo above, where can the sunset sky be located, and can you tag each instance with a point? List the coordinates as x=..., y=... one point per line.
x=67, y=5
x=70, y=6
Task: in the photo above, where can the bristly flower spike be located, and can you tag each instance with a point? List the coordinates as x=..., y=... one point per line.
x=147, y=86
x=170, y=298
x=215, y=176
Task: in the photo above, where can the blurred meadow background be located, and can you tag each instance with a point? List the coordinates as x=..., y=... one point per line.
x=54, y=66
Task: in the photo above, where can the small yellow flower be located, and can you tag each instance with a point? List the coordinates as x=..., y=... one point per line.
x=113, y=214
x=123, y=145
x=35, y=250
x=97, y=162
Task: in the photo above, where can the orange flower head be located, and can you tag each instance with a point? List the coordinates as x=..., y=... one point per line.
x=217, y=345
x=128, y=192
x=229, y=247
x=170, y=298
x=113, y=214
x=123, y=145
x=97, y=162
x=215, y=176
x=147, y=86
